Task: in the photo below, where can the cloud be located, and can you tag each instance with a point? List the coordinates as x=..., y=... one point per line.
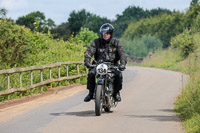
x=13, y=4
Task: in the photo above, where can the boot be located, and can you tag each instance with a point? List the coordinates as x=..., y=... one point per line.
x=117, y=97
x=89, y=96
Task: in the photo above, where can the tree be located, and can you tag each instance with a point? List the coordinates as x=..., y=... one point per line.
x=193, y=2
x=50, y=24
x=62, y=31
x=85, y=19
x=3, y=12
x=30, y=19
x=94, y=22
x=76, y=20
x=164, y=27
x=191, y=15
x=132, y=14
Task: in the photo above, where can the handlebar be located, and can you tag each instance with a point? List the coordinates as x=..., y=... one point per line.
x=111, y=66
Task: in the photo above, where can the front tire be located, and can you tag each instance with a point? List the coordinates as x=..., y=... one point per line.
x=99, y=100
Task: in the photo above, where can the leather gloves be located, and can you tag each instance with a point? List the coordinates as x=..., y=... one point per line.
x=122, y=67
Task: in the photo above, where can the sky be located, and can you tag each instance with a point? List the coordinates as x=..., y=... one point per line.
x=59, y=10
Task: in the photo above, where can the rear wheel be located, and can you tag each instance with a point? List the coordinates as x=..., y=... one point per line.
x=99, y=100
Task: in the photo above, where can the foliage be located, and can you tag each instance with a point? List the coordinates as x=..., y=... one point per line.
x=133, y=14
x=62, y=31
x=77, y=20
x=94, y=22
x=30, y=19
x=21, y=47
x=164, y=26
x=187, y=103
x=191, y=15
x=184, y=42
x=16, y=44
x=193, y=3
x=196, y=26
x=85, y=19
x=141, y=47
x=163, y=59
x=3, y=12
x=85, y=37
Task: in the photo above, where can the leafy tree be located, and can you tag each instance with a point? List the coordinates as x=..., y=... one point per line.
x=3, y=12
x=62, y=31
x=94, y=22
x=16, y=44
x=193, y=3
x=85, y=19
x=132, y=14
x=197, y=24
x=50, y=23
x=159, y=11
x=164, y=26
x=77, y=20
x=141, y=47
x=86, y=37
x=31, y=18
x=184, y=42
x=191, y=15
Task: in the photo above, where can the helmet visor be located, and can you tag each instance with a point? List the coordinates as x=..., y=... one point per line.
x=104, y=30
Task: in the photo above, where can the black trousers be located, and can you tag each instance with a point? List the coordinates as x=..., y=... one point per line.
x=117, y=82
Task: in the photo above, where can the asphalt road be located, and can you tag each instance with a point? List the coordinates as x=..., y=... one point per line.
x=147, y=107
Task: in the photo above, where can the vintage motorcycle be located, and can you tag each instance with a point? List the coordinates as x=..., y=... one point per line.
x=104, y=89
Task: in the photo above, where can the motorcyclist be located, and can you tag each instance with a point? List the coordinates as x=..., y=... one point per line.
x=105, y=48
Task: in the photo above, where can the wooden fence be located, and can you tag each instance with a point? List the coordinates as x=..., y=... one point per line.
x=41, y=83
x=134, y=59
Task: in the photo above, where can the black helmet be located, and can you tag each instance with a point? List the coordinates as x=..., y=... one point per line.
x=106, y=28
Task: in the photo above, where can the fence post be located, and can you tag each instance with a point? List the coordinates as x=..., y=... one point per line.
x=8, y=81
x=31, y=79
x=77, y=68
x=20, y=80
x=41, y=79
x=67, y=71
x=59, y=73
x=50, y=76
x=41, y=83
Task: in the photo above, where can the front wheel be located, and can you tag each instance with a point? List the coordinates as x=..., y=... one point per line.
x=99, y=100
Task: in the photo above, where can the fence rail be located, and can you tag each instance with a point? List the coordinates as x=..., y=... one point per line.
x=132, y=59
x=41, y=68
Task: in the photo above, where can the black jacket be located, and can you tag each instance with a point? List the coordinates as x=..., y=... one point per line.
x=111, y=51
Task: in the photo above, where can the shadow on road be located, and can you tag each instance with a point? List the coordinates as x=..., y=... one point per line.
x=167, y=117
x=88, y=113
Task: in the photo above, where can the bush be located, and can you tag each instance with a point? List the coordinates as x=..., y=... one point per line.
x=184, y=42
x=141, y=47
x=20, y=47
x=86, y=37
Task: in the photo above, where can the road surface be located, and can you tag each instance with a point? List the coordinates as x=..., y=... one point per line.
x=147, y=107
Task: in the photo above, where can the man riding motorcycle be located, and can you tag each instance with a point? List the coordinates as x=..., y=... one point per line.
x=108, y=49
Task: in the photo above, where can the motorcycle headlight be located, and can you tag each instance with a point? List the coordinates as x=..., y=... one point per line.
x=102, y=69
